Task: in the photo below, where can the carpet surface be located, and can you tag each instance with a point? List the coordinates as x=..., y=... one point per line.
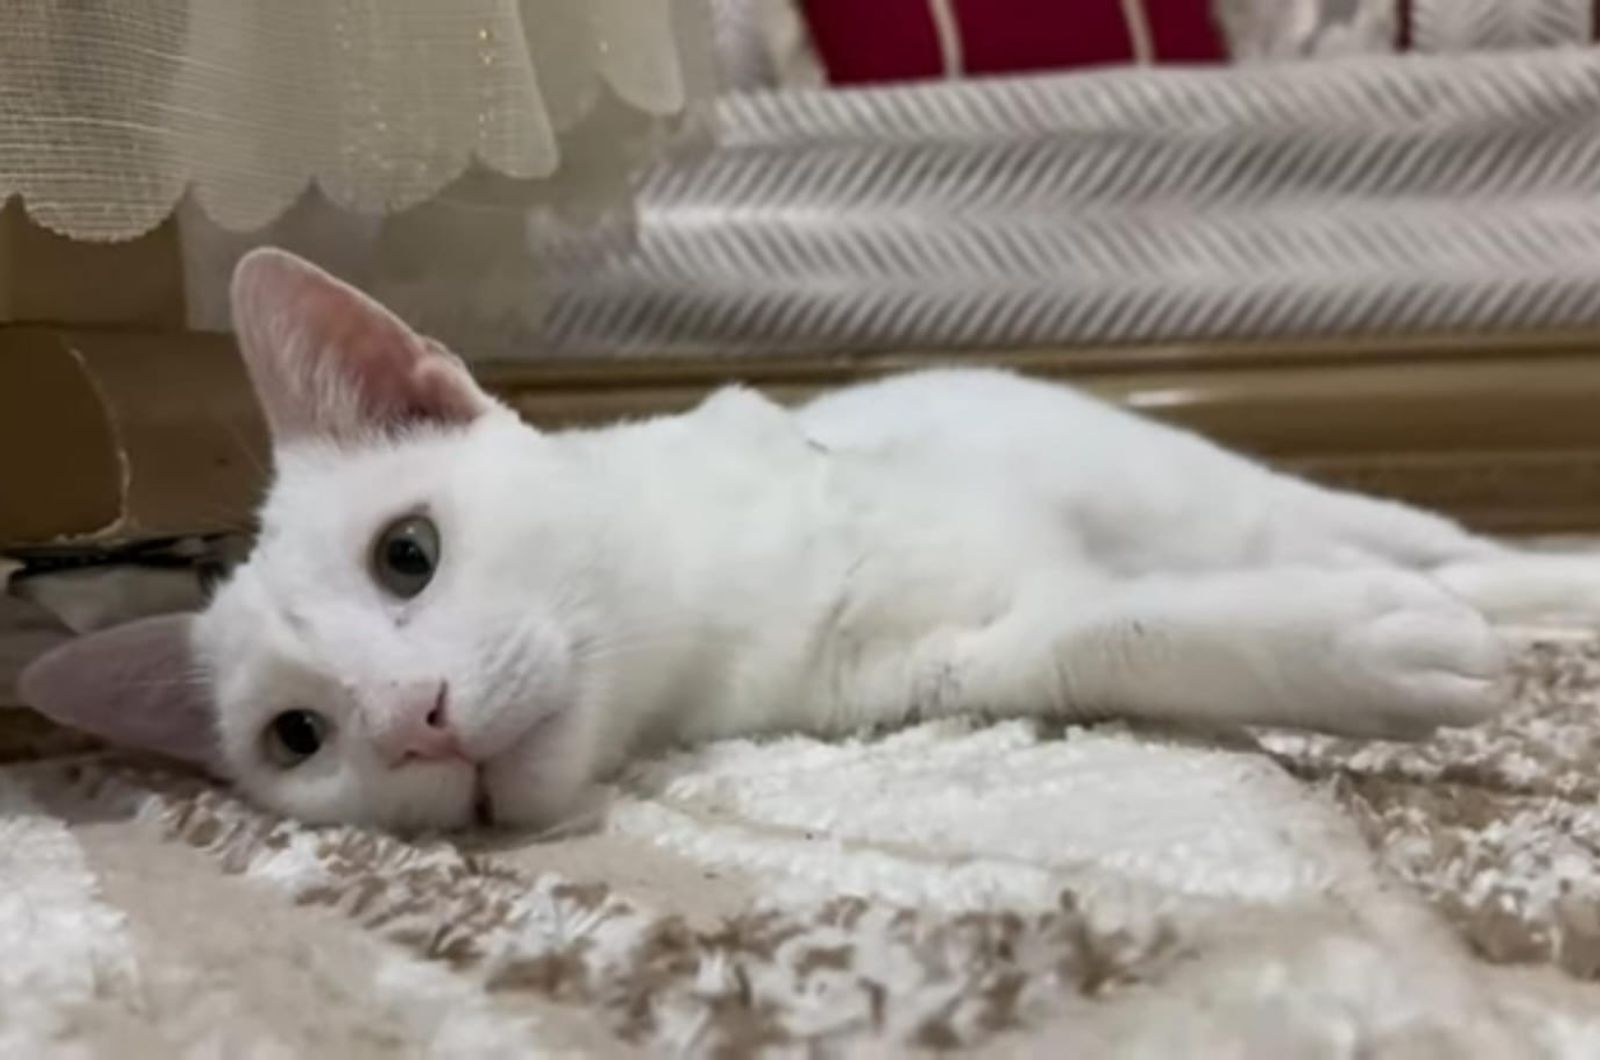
x=996, y=889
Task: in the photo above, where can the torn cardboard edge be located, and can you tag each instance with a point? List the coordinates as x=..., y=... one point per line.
x=109, y=437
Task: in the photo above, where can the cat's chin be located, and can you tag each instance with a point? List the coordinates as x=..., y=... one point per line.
x=535, y=782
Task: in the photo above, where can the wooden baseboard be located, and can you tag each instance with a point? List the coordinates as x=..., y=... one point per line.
x=1500, y=431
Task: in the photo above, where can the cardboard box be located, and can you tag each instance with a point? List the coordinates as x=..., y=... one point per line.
x=46, y=278
x=108, y=437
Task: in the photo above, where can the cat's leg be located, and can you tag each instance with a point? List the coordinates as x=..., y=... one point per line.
x=1378, y=653
x=1527, y=586
x=1381, y=532
x=1505, y=583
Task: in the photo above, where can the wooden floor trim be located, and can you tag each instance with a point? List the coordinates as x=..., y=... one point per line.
x=1500, y=431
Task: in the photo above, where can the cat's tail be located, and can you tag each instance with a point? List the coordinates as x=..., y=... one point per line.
x=1516, y=586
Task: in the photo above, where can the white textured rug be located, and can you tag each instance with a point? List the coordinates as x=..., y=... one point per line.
x=995, y=889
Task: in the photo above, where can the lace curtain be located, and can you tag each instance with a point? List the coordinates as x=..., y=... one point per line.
x=446, y=154
x=412, y=146
x=110, y=110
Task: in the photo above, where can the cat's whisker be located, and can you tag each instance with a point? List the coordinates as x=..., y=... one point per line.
x=166, y=682
x=612, y=648
x=248, y=451
x=176, y=682
x=581, y=821
x=224, y=520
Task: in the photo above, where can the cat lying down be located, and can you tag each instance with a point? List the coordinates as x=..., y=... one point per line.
x=451, y=617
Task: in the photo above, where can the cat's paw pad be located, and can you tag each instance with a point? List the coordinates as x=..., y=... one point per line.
x=1425, y=659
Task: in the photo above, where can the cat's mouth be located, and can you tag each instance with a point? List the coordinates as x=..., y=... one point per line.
x=484, y=813
x=482, y=801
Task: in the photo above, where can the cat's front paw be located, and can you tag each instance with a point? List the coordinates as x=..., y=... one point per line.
x=1414, y=659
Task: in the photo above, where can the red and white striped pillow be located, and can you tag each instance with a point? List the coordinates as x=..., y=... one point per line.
x=864, y=41
x=896, y=40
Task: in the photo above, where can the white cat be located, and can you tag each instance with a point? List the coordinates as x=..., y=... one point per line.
x=451, y=616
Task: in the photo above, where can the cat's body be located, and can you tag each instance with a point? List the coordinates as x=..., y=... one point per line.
x=808, y=569
x=942, y=542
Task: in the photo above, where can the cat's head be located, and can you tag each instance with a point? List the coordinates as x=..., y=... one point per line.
x=400, y=648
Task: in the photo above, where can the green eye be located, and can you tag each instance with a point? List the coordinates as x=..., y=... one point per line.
x=405, y=556
x=294, y=736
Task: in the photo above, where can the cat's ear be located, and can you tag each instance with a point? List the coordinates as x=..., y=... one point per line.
x=134, y=686
x=329, y=362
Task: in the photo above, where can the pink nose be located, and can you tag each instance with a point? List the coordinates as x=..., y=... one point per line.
x=416, y=725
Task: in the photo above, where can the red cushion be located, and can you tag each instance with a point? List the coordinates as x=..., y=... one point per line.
x=875, y=40
x=1184, y=31
x=999, y=36
x=897, y=40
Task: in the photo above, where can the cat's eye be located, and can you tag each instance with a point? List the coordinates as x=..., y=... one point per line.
x=405, y=555
x=294, y=736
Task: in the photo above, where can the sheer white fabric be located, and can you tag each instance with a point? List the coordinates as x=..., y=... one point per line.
x=111, y=110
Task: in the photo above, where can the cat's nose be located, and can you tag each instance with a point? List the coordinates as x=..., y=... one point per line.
x=416, y=726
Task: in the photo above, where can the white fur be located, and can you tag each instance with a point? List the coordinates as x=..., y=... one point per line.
x=940, y=542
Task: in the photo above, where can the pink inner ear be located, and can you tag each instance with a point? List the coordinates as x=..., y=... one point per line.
x=328, y=361
x=135, y=686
